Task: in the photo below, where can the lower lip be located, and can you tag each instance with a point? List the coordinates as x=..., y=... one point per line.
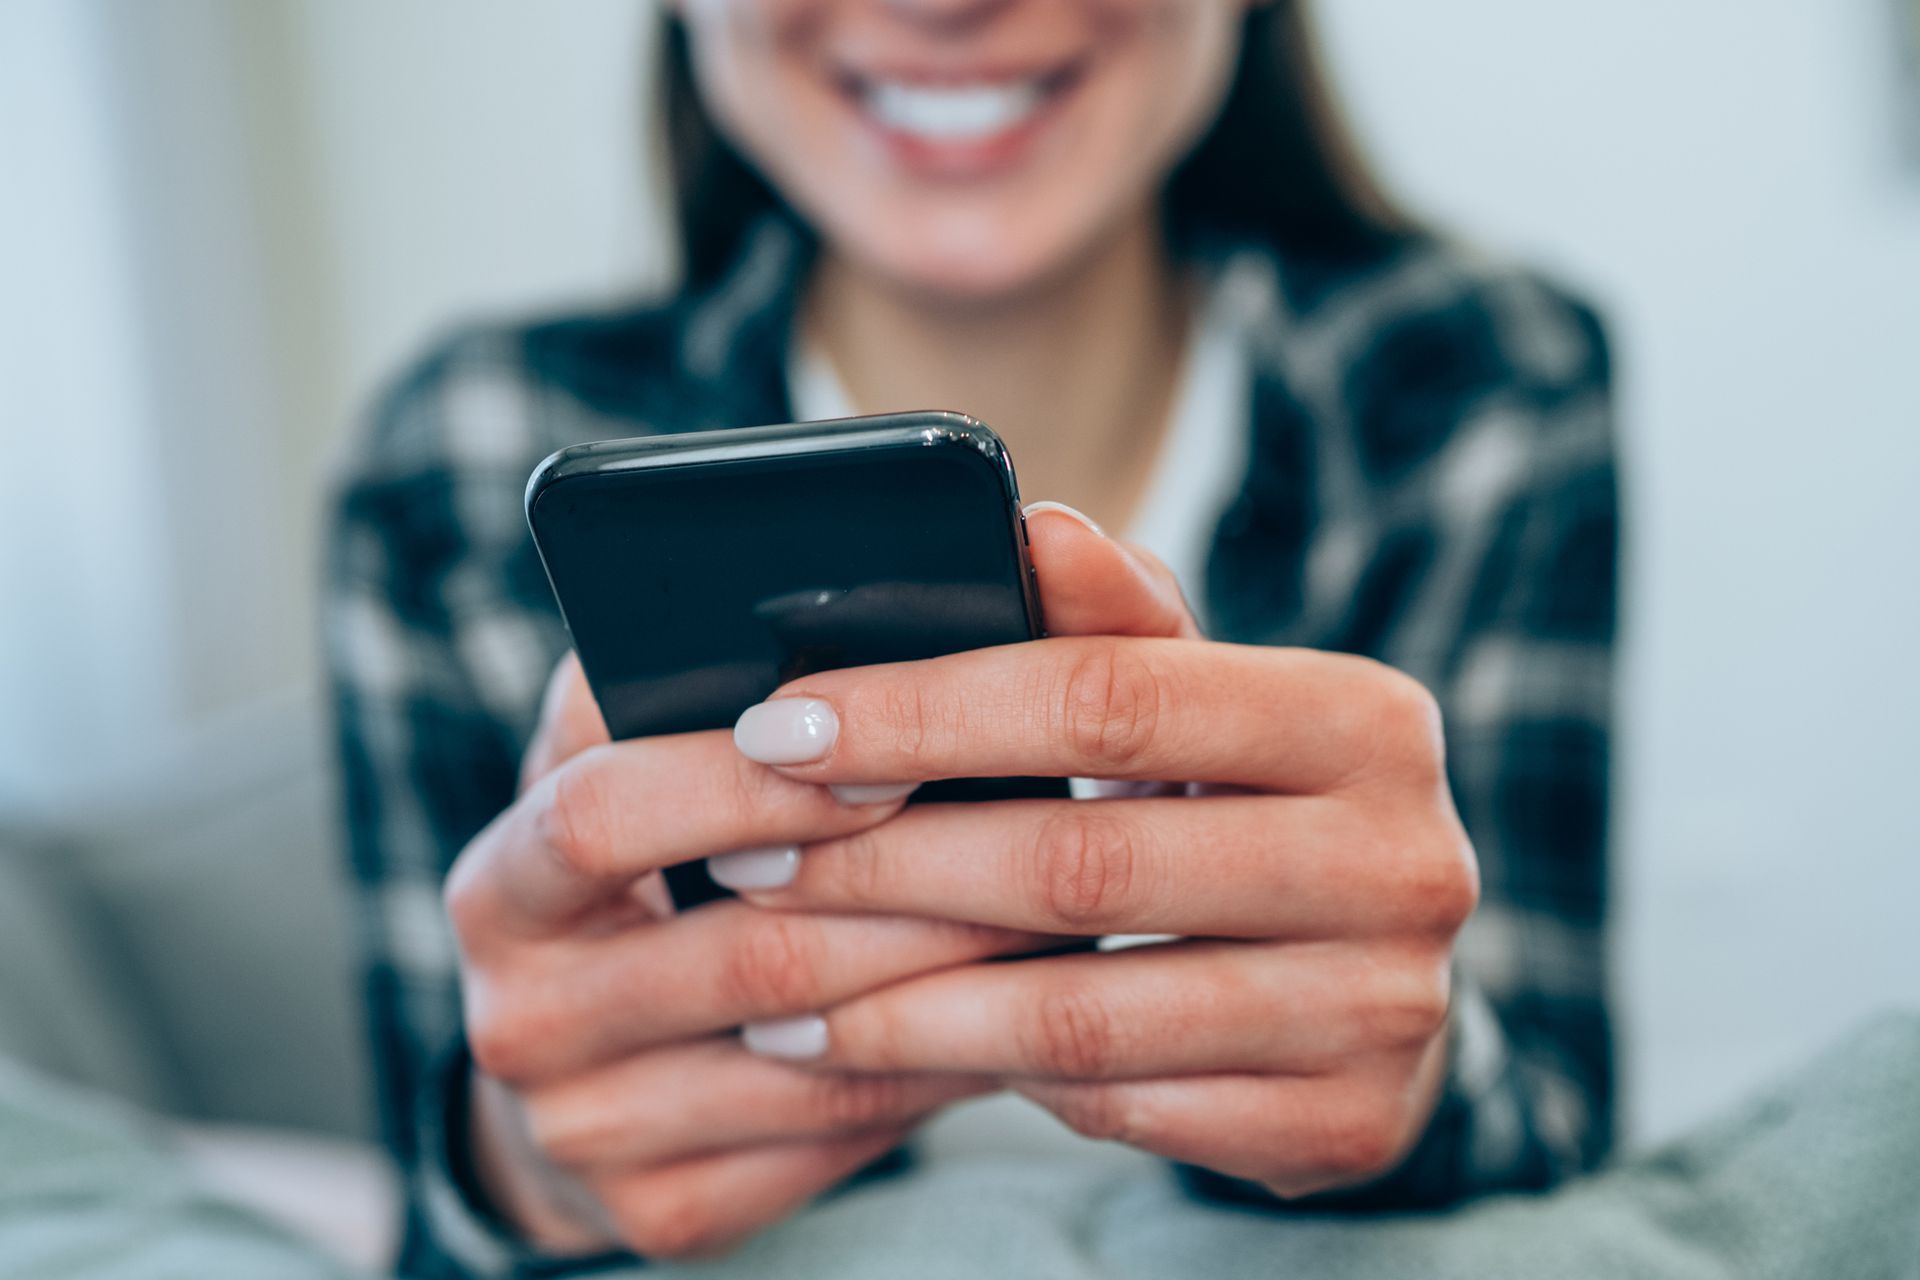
x=968, y=159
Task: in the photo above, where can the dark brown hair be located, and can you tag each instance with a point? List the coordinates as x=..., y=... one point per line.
x=1278, y=163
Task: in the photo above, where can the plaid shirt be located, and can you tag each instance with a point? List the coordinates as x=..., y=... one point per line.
x=1431, y=482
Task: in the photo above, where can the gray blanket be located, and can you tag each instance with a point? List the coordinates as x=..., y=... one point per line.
x=1818, y=1178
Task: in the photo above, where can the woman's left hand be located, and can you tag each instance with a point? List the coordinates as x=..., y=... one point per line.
x=1295, y=1034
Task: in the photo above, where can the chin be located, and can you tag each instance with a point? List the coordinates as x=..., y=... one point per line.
x=970, y=260
x=970, y=281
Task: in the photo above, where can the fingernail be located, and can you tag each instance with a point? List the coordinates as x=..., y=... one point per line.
x=786, y=731
x=802, y=1037
x=871, y=793
x=749, y=869
x=1034, y=508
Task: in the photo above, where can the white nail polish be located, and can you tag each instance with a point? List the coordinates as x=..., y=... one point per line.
x=1034, y=508
x=802, y=1037
x=786, y=731
x=748, y=869
x=876, y=793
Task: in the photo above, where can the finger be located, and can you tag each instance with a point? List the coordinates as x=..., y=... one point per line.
x=580, y=1003
x=1093, y=585
x=1237, y=866
x=1169, y=585
x=1293, y=1135
x=586, y=831
x=688, y=1099
x=1134, y=1014
x=703, y=1205
x=1104, y=707
x=570, y=722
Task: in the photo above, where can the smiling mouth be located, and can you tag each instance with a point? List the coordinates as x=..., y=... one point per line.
x=956, y=111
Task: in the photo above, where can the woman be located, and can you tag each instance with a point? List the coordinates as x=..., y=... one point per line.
x=1130, y=234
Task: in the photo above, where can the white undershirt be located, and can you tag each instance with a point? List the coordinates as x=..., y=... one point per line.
x=1201, y=462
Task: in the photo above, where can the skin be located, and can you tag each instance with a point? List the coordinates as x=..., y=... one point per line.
x=1296, y=1040
x=1315, y=869
x=1050, y=273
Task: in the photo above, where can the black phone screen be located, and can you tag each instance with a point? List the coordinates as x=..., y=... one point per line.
x=693, y=591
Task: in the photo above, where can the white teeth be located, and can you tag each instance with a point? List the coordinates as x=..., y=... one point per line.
x=955, y=114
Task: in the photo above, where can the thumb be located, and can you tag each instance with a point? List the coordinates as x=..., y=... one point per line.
x=569, y=723
x=1091, y=584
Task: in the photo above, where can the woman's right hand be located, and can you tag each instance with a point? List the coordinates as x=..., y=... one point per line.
x=613, y=1101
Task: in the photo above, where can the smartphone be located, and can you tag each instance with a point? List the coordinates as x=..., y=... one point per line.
x=698, y=573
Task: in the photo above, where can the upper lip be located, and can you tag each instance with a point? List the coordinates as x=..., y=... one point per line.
x=955, y=76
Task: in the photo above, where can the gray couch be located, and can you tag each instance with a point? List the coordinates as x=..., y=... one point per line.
x=185, y=943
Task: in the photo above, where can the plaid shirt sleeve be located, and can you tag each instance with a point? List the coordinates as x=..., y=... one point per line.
x=1479, y=553
x=1523, y=670
x=1526, y=684
x=438, y=636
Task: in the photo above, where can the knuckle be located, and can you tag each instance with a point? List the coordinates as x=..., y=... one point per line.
x=917, y=726
x=856, y=1102
x=1073, y=1034
x=1110, y=708
x=501, y=1039
x=1404, y=722
x=560, y=1132
x=1359, y=1144
x=670, y=1222
x=462, y=898
x=1101, y=1113
x=771, y=969
x=1444, y=885
x=750, y=789
x=1410, y=708
x=1085, y=863
x=856, y=867
x=1288, y=1185
x=495, y=1052
x=576, y=817
x=1411, y=1004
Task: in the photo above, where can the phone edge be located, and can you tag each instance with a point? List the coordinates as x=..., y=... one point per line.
x=932, y=427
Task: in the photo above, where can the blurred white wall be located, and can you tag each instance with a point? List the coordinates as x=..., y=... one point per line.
x=77, y=573
x=474, y=156
x=1728, y=177
x=221, y=223
x=241, y=215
